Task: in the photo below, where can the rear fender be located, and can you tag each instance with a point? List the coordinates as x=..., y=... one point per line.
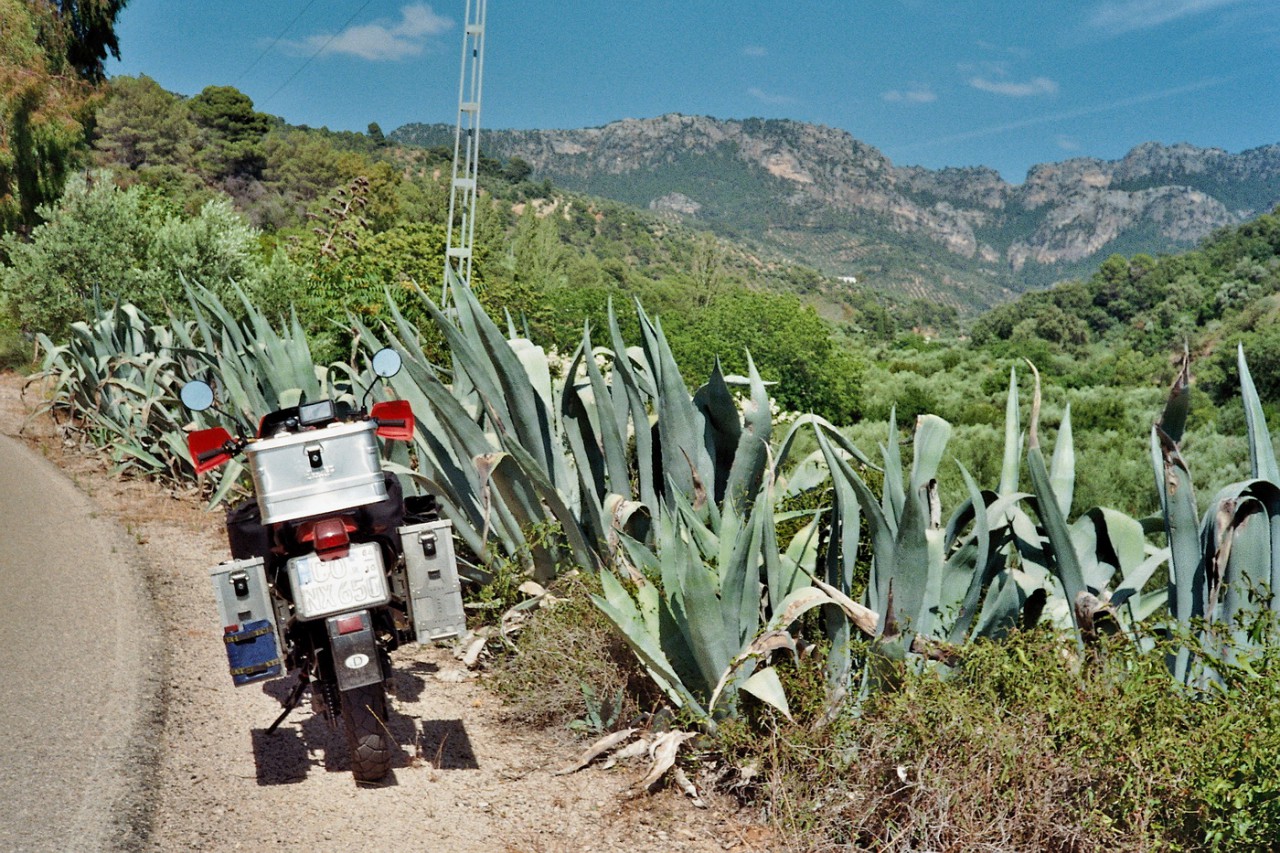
x=355, y=649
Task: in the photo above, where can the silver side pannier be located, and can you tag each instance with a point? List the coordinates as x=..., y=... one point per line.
x=435, y=593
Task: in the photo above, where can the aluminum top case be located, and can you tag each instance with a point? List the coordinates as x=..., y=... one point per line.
x=317, y=471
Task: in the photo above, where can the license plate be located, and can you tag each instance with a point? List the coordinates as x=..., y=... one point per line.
x=324, y=587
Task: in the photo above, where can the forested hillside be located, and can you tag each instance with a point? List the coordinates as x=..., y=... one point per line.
x=165, y=189
x=963, y=236
x=207, y=189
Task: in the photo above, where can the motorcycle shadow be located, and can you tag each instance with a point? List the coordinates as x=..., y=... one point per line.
x=445, y=745
x=308, y=741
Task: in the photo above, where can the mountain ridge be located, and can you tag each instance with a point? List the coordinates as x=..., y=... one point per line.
x=962, y=235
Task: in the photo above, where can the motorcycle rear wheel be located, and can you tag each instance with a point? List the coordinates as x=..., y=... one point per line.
x=364, y=717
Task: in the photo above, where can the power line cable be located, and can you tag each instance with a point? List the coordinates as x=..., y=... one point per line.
x=271, y=46
x=318, y=51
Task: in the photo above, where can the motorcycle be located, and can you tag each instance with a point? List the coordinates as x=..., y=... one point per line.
x=332, y=567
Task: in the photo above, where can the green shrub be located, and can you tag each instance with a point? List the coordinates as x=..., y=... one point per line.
x=101, y=239
x=1027, y=748
x=565, y=655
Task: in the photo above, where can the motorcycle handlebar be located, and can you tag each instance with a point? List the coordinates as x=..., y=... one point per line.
x=215, y=452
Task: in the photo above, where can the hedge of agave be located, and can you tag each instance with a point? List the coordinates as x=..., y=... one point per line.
x=671, y=497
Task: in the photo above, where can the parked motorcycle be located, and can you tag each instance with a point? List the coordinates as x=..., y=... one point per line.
x=331, y=569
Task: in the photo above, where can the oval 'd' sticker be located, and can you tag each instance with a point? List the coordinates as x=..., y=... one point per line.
x=357, y=661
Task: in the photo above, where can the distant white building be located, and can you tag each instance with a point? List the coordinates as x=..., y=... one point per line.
x=848, y=279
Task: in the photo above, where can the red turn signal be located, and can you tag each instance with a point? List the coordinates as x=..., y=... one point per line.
x=207, y=448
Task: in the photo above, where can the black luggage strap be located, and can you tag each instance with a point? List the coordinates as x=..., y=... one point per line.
x=255, y=668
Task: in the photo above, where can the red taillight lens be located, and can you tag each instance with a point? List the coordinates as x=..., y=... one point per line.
x=331, y=538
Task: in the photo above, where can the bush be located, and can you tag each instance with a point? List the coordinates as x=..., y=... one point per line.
x=568, y=658
x=103, y=239
x=1025, y=748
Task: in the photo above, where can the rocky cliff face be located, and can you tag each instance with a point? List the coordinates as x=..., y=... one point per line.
x=833, y=202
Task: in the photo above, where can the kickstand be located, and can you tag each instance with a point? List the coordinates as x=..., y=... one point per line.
x=289, y=704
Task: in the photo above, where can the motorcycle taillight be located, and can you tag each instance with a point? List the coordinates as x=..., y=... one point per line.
x=331, y=538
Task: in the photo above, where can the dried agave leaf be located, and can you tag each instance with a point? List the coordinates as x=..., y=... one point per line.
x=682, y=781
x=635, y=749
x=596, y=750
x=761, y=647
x=663, y=751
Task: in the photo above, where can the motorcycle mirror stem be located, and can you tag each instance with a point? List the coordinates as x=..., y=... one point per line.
x=386, y=363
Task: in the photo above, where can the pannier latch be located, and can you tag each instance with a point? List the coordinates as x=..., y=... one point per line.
x=428, y=541
x=315, y=457
x=240, y=583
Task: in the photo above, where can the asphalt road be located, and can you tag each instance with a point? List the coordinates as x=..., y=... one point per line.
x=80, y=669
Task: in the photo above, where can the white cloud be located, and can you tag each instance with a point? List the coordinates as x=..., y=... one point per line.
x=916, y=94
x=1067, y=143
x=382, y=40
x=755, y=50
x=1011, y=50
x=1068, y=115
x=1038, y=86
x=1122, y=16
x=769, y=98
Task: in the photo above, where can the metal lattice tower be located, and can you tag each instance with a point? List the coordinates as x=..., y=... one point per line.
x=466, y=152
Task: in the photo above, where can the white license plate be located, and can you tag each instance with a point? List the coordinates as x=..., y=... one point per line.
x=324, y=587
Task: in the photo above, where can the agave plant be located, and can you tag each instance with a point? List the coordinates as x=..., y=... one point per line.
x=694, y=606
x=120, y=374
x=1090, y=553
x=1225, y=565
x=116, y=379
x=509, y=446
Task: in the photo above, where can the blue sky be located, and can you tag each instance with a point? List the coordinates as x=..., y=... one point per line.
x=928, y=82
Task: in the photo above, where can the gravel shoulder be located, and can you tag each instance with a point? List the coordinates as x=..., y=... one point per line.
x=463, y=779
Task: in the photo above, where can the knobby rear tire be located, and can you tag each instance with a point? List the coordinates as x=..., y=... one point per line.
x=364, y=716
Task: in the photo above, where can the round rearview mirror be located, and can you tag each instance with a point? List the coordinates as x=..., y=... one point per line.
x=386, y=362
x=197, y=395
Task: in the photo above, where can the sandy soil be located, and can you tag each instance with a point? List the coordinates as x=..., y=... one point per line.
x=463, y=780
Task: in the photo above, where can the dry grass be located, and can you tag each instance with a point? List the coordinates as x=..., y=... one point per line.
x=561, y=649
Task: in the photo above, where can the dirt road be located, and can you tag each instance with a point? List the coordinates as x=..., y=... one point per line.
x=464, y=780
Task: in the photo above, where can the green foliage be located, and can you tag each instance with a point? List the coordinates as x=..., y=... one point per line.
x=101, y=239
x=1006, y=753
x=50, y=57
x=788, y=343
x=233, y=132
x=1003, y=753
x=571, y=667
x=142, y=126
